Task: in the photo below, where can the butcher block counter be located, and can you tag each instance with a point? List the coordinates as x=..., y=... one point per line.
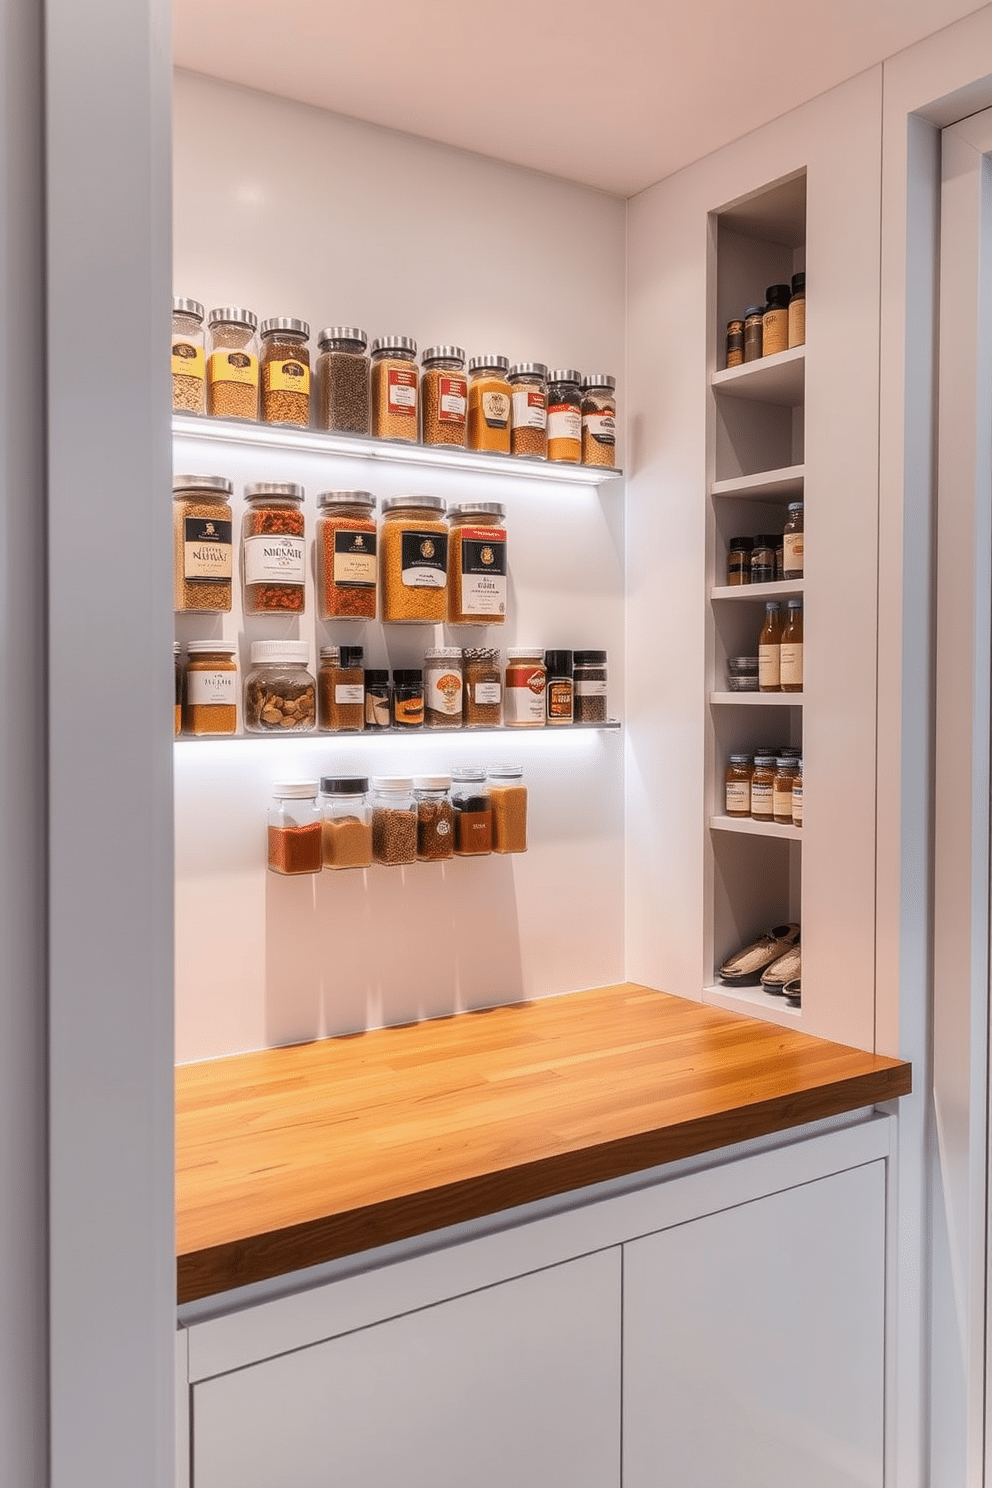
x=290, y=1157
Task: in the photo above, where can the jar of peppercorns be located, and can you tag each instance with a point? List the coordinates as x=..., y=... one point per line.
x=599, y=420
x=342, y=401
x=285, y=371
x=273, y=549
x=189, y=365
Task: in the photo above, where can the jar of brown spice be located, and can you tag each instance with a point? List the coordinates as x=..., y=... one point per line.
x=483, y=687
x=211, y=688
x=477, y=563
x=202, y=543
x=343, y=403
x=489, y=404
x=347, y=821
x=189, y=363
x=599, y=420
x=273, y=549
x=285, y=371
x=565, y=415
x=294, y=828
x=414, y=569
x=395, y=388
x=444, y=396
x=346, y=558
x=341, y=689
x=529, y=410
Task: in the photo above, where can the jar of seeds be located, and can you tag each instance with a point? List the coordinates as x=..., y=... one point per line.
x=477, y=563
x=444, y=395
x=294, y=828
x=508, y=795
x=232, y=370
x=489, y=396
x=378, y=698
x=599, y=420
x=443, y=687
x=473, y=812
x=280, y=693
x=565, y=415
x=435, y=818
x=211, y=688
x=343, y=394
x=414, y=569
x=483, y=687
x=285, y=371
x=202, y=543
x=529, y=410
x=346, y=558
x=395, y=388
x=273, y=549
x=341, y=689
x=189, y=359
x=394, y=820
x=346, y=825
x=589, y=686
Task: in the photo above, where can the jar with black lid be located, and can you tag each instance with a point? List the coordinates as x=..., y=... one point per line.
x=444, y=396
x=739, y=561
x=473, y=812
x=408, y=697
x=343, y=396
x=589, y=686
x=797, y=311
x=341, y=689
x=285, y=371
x=565, y=415
x=775, y=322
x=346, y=826
x=560, y=692
x=763, y=558
x=378, y=698
x=753, y=332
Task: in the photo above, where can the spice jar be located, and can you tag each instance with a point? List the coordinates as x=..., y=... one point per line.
x=762, y=787
x=294, y=828
x=775, y=322
x=473, y=812
x=346, y=559
x=589, y=687
x=394, y=820
x=785, y=774
x=189, y=361
x=797, y=311
x=560, y=692
x=202, y=545
x=770, y=648
x=285, y=372
x=738, y=785
x=792, y=542
x=565, y=415
x=791, y=661
x=443, y=687
x=489, y=404
x=739, y=561
x=526, y=682
x=599, y=420
x=735, y=343
x=280, y=693
x=341, y=689
x=343, y=402
x=763, y=558
x=444, y=396
x=273, y=549
x=211, y=688
x=508, y=795
x=346, y=822
x=435, y=817
x=529, y=410
x=378, y=713
x=395, y=386
x=483, y=687
x=477, y=563
x=414, y=571
x=797, y=795
x=753, y=332
x=408, y=697
x=232, y=371
x=178, y=665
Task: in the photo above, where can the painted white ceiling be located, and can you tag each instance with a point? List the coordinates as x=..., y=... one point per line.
x=612, y=93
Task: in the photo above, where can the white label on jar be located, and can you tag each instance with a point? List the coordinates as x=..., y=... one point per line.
x=738, y=797
x=761, y=799
x=797, y=804
x=530, y=409
x=590, y=689
x=792, y=552
x=349, y=692
x=496, y=410
x=443, y=688
x=206, y=548
x=525, y=685
x=211, y=687
x=278, y=558
x=564, y=422
x=601, y=426
x=768, y=667
x=402, y=390
x=782, y=800
x=791, y=670
x=488, y=692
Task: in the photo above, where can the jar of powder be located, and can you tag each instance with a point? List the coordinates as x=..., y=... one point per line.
x=444, y=396
x=483, y=687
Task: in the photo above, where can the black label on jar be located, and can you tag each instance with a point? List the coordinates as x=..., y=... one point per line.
x=354, y=559
x=206, y=549
x=424, y=559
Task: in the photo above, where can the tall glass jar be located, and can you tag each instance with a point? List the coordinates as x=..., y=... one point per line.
x=395, y=388
x=483, y=687
x=599, y=420
x=189, y=360
x=341, y=689
x=443, y=687
x=797, y=311
x=444, y=396
x=414, y=567
x=285, y=371
x=526, y=683
x=211, y=688
x=294, y=828
x=775, y=323
x=280, y=693
x=754, y=317
x=394, y=820
x=785, y=775
x=529, y=410
x=762, y=787
x=178, y=664
x=565, y=415
x=232, y=370
x=560, y=694
x=791, y=656
x=202, y=543
x=589, y=678
x=343, y=402
x=489, y=396
x=435, y=818
x=346, y=559
x=346, y=821
x=797, y=795
x=738, y=785
x=508, y=795
x=477, y=563
x=273, y=549
x=473, y=812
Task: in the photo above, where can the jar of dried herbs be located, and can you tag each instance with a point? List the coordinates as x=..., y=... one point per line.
x=443, y=687
x=395, y=388
x=211, y=688
x=473, y=812
x=529, y=410
x=394, y=820
x=273, y=549
x=408, y=697
x=508, y=795
x=343, y=403
x=341, y=689
x=483, y=687
x=232, y=369
x=565, y=415
x=346, y=821
x=189, y=359
x=435, y=818
x=477, y=563
x=294, y=828
x=489, y=395
x=346, y=558
x=285, y=371
x=444, y=396
x=378, y=698
x=599, y=420
x=414, y=569
x=589, y=686
x=202, y=543
x=280, y=693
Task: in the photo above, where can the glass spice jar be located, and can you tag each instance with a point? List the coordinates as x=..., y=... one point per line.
x=735, y=343
x=346, y=559
x=394, y=820
x=599, y=420
x=762, y=787
x=785, y=774
x=589, y=679
x=508, y=795
x=560, y=693
x=346, y=822
x=294, y=828
x=791, y=656
x=189, y=361
x=211, y=688
x=443, y=687
x=770, y=649
x=378, y=713
x=178, y=664
x=395, y=388
x=408, y=697
x=343, y=402
x=529, y=410
x=483, y=687
x=444, y=396
x=739, y=561
x=754, y=317
x=489, y=397
x=285, y=371
x=341, y=690
x=797, y=795
x=565, y=415
x=738, y=785
x=435, y=818
x=526, y=682
x=763, y=558
x=792, y=542
x=775, y=322
x=273, y=549
x=232, y=369
x=477, y=563
x=202, y=543
x=414, y=567
x=280, y=693
x=473, y=812
x=797, y=311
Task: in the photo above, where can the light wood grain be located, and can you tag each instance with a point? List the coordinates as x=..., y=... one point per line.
x=289, y=1157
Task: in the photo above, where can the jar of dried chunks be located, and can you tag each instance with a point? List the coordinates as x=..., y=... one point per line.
x=211, y=688
x=443, y=687
x=202, y=545
x=565, y=415
x=509, y=800
x=285, y=371
x=435, y=818
x=414, y=570
x=189, y=360
x=394, y=820
x=526, y=681
x=346, y=560
x=346, y=821
x=343, y=402
x=294, y=828
x=529, y=410
x=483, y=687
x=477, y=564
x=599, y=420
x=273, y=549
x=395, y=388
x=280, y=693
x=473, y=812
x=444, y=395
x=489, y=404
x=232, y=370
x=341, y=689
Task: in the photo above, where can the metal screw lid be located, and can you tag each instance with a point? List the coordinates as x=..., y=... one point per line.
x=753, y=310
x=505, y=772
x=443, y=653
x=795, y=604
x=187, y=307
x=468, y=772
x=231, y=315
x=565, y=374
x=404, y=345
x=477, y=509
x=284, y=323
x=346, y=498
x=480, y=653
x=410, y=503
x=527, y=369
x=796, y=505
x=765, y=761
x=443, y=354
x=520, y=653
x=286, y=490
x=491, y=362
x=598, y=380
x=217, y=483
x=739, y=759
x=341, y=333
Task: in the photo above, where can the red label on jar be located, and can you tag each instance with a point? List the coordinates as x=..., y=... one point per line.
x=534, y=679
x=402, y=392
x=451, y=399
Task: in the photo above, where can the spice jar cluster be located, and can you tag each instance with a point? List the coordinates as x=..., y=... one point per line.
x=769, y=557
x=778, y=666
x=779, y=324
x=766, y=786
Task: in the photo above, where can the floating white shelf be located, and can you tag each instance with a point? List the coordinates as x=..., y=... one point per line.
x=397, y=736
x=776, y=379
x=786, y=484
x=755, y=828
x=757, y=699
x=784, y=589
x=753, y=1001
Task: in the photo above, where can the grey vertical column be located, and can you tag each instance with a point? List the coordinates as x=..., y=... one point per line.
x=108, y=82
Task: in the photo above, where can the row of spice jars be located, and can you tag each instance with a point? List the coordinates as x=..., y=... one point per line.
x=766, y=786
x=777, y=325
x=401, y=819
x=780, y=648
x=768, y=558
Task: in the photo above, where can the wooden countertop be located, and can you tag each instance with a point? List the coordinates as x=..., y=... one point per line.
x=293, y=1156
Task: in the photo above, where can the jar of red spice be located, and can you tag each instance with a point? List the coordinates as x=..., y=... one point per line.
x=273, y=549
x=347, y=565
x=295, y=844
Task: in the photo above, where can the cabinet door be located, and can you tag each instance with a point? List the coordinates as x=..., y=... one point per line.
x=518, y=1384
x=754, y=1343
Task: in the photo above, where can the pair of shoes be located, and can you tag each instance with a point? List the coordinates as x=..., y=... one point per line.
x=783, y=972
x=793, y=992
x=745, y=967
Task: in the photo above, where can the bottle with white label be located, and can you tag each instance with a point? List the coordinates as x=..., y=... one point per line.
x=738, y=785
x=341, y=689
x=769, y=648
x=526, y=685
x=791, y=653
x=565, y=415
x=211, y=688
x=273, y=549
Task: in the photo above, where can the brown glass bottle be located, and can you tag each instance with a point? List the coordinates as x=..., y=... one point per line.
x=769, y=648
x=791, y=650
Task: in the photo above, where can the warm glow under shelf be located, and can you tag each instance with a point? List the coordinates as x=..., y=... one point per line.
x=398, y=736
x=752, y=828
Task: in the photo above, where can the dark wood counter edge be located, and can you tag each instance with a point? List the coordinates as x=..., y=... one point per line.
x=221, y=1268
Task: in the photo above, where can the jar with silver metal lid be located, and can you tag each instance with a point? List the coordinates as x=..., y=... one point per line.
x=345, y=555
x=489, y=402
x=395, y=388
x=565, y=415
x=285, y=371
x=189, y=359
x=343, y=402
x=413, y=568
x=232, y=366
x=273, y=549
x=599, y=420
x=529, y=410
x=202, y=543
x=444, y=396
x=477, y=563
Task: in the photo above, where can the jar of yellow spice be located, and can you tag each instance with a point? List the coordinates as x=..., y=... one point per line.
x=413, y=545
x=489, y=395
x=211, y=688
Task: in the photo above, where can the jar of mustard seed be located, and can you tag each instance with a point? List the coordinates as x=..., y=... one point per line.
x=599, y=420
x=341, y=689
x=739, y=561
x=738, y=785
x=273, y=549
x=489, y=401
x=508, y=795
x=343, y=402
x=189, y=359
x=483, y=687
x=473, y=812
x=444, y=396
x=294, y=828
x=753, y=332
x=178, y=664
x=785, y=774
x=529, y=410
x=797, y=311
x=232, y=366
x=211, y=689
x=565, y=415
x=346, y=557
x=394, y=820
x=285, y=371
x=526, y=683
x=395, y=388
x=202, y=543
x=477, y=563
x=414, y=560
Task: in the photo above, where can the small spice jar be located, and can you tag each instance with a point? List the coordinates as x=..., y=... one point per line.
x=178, y=664
x=394, y=820
x=395, y=388
x=346, y=559
x=408, y=697
x=489, y=397
x=526, y=683
x=599, y=420
x=560, y=692
x=797, y=311
x=483, y=687
x=785, y=774
x=280, y=693
x=343, y=402
x=739, y=561
x=473, y=812
x=341, y=689
x=762, y=787
x=444, y=396
x=443, y=687
x=294, y=828
x=414, y=569
x=232, y=369
x=189, y=360
x=738, y=785
x=775, y=322
x=378, y=714
x=202, y=543
x=529, y=410
x=797, y=795
x=285, y=371
x=792, y=542
x=508, y=795
x=346, y=822
x=754, y=317
x=273, y=549
x=477, y=563
x=211, y=688
x=589, y=686
x=763, y=558
x=735, y=343
x=565, y=415
x=435, y=818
